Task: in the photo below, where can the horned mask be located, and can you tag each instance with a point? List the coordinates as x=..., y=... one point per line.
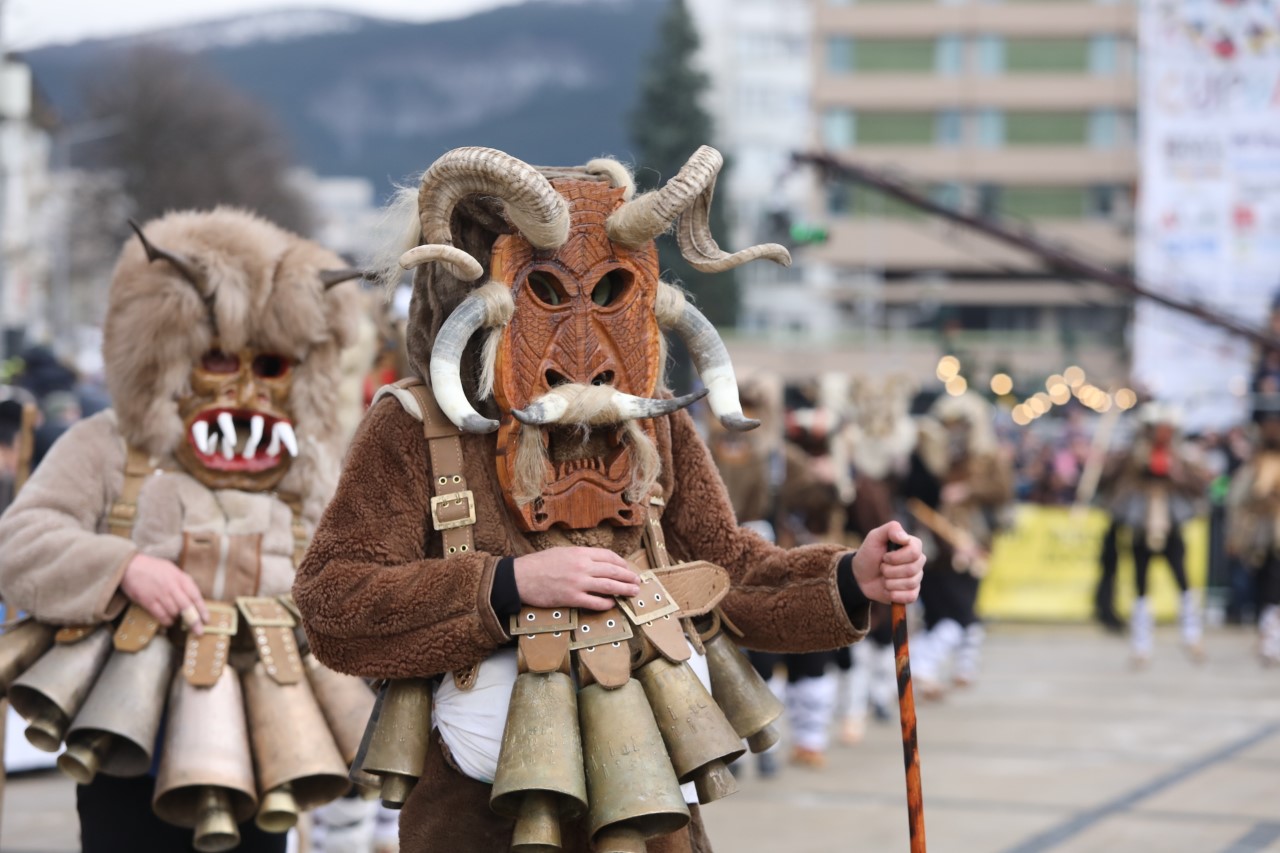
x=222, y=338
x=574, y=313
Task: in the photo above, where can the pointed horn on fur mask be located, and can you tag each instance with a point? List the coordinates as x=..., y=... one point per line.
x=333, y=278
x=154, y=253
x=539, y=212
x=487, y=307
x=574, y=404
x=686, y=197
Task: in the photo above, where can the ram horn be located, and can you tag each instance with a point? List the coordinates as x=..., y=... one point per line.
x=711, y=358
x=687, y=198
x=489, y=306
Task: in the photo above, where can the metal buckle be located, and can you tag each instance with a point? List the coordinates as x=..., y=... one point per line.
x=224, y=619
x=453, y=497
x=264, y=612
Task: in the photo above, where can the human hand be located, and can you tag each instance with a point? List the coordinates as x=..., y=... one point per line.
x=165, y=591
x=889, y=577
x=572, y=576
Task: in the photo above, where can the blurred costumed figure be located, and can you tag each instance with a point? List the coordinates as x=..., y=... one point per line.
x=155, y=546
x=809, y=511
x=1254, y=512
x=958, y=488
x=1157, y=487
x=873, y=454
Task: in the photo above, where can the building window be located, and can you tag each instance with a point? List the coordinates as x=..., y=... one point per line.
x=1104, y=129
x=948, y=195
x=989, y=55
x=894, y=56
x=989, y=125
x=1044, y=202
x=1024, y=128
x=840, y=55
x=1104, y=55
x=838, y=129
x=948, y=55
x=1046, y=56
x=949, y=128
x=988, y=206
x=895, y=129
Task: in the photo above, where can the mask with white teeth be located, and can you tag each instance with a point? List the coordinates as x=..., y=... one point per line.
x=239, y=432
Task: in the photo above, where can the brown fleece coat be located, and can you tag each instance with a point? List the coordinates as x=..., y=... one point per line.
x=379, y=600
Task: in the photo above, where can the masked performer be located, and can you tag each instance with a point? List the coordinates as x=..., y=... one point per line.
x=1254, y=522
x=186, y=506
x=1160, y=485
x=515, y=541
x=877, y=439
x=960, y=483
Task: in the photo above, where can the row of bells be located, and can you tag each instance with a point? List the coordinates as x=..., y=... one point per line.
x=617, y=756
x=107, y=705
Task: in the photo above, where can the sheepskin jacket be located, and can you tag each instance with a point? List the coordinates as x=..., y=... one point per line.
x=59, y=563
x=379, y=600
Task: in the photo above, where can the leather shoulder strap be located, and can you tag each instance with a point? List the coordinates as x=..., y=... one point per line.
x=137, y=468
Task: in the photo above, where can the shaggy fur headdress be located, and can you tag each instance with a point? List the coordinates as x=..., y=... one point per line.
x=264, y=288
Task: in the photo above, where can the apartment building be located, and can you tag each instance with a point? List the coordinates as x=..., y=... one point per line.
x=1025, y=111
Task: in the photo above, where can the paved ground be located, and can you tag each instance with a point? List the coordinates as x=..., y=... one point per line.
x=1061, y=748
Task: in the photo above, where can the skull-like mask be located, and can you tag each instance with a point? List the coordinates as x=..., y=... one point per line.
x=236, y=420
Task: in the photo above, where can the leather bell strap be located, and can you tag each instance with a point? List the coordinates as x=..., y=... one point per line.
x=136, y=629
x=271, y=627
x=204, y=657
x=545, y=635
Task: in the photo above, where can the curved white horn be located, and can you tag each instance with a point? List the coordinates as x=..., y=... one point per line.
x=552, y=407
x=712, y=361
x=446, y=357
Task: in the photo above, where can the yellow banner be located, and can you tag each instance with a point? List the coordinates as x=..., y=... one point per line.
x=1046, y=567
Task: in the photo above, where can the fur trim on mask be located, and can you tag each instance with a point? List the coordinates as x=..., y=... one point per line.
x=265, y=288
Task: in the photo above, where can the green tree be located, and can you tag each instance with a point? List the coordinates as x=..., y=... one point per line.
x=667, y=126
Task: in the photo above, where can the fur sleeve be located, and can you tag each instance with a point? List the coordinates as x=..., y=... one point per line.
x=55, y=562
x=373, y=603
x=783, y=600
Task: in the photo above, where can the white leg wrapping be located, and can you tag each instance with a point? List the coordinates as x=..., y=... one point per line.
x=1142, y=628
x=969, y=655
x=884, y=676
x=811, y=705
x=1189, y=619
x=1269, y=627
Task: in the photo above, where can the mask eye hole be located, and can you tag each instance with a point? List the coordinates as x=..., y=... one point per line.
x=270, y=366
x=611, y=287
x=217, y=361
x=546, y=288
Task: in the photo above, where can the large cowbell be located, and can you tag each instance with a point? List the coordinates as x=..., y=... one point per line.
x=540, y=778
x=206, y=772
x=346, y=702
x=399, y=739
x=50, y=693
x=115, y=732
x=742, y=694
x=701, y=741
x=21, y=646
x=297, y=761
x=631, y=786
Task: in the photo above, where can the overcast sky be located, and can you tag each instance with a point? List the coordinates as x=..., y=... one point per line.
x=32, y=23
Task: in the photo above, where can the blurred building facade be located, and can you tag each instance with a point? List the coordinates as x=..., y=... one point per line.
x=25, y=187
x=1024, y=111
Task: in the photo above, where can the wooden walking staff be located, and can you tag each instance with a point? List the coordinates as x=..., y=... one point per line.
x=907, y=714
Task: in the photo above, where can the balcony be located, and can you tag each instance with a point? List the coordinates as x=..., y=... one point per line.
x=1067, y=165
x=930, y=92
x=902, y=20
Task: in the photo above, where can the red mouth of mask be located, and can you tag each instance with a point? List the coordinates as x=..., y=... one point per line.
x=240, y=440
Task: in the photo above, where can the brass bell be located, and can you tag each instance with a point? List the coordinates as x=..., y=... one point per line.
x=398, y=747
x=206, y=780
x=700, y=740
x=631, y=786
x=742, y=694
x=346, y=702
x=540, y=777
x=298, y=765
x=21, y=646
x=50, y=693
x=115, y=731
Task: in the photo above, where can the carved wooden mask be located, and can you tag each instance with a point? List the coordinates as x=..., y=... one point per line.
x=584, y=314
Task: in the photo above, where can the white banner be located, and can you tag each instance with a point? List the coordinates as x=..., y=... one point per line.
x=1209, y=208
